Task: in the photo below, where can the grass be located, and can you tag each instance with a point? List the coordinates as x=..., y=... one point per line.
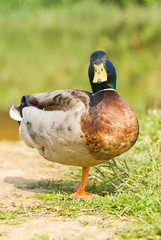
x=46, y=237
x=42, y=50
x=129, y=187
x=40, y=237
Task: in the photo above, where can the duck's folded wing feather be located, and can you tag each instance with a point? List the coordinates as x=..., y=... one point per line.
x=58, y=100
x=62, y=100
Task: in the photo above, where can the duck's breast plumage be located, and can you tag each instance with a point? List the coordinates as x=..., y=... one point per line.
x=111, y=126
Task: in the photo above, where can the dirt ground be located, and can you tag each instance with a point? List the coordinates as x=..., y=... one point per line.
x=21, y=167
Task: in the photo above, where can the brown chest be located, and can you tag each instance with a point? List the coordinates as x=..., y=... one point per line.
x=110, y=127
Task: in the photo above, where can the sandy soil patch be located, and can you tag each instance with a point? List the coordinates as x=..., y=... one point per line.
x=20, y=167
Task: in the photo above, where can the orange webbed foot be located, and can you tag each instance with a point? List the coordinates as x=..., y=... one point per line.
x=83, y=194
x=80, y=190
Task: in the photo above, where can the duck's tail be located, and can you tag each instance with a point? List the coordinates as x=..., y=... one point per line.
x=15, y=112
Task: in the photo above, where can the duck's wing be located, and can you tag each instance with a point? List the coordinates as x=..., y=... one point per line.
x=62, y=100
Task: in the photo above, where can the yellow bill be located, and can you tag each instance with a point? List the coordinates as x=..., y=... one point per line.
x=100, y=74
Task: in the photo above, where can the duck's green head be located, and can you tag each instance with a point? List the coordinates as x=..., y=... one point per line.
x=101, y=72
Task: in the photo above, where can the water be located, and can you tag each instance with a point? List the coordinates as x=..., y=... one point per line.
x=8, y=128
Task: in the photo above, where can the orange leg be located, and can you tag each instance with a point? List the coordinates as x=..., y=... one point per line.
x=80, y=190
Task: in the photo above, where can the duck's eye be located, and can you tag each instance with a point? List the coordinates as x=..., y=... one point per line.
x=95, y=70
x=102, y=69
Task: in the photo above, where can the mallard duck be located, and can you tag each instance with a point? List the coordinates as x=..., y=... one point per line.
x=76, y=127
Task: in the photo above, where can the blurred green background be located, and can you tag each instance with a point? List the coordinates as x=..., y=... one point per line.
x=45, y=45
